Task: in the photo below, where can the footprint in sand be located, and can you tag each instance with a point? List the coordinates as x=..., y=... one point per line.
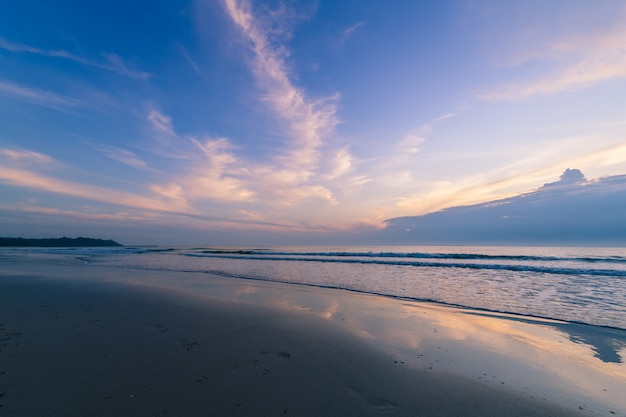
x=191, y=346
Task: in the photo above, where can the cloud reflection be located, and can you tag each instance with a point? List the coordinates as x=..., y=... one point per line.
x=558, y=360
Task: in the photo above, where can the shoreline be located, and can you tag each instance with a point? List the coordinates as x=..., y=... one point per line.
x=423, y=364
x=584, y=308
x=494, y=313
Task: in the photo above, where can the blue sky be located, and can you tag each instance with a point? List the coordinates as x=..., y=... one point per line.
x=182, y=122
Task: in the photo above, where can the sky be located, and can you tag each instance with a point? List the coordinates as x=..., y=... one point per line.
x=242, y=121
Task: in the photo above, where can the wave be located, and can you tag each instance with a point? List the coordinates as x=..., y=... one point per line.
x=415, y=255
x=360, y=260
x=555, y=317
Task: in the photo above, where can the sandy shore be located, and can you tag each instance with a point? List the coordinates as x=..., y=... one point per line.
x=103, y=342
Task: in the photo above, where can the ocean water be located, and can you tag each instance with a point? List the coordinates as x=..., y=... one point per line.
x=576, y=284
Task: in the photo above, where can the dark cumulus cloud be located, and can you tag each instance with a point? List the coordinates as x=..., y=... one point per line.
x=572, y=210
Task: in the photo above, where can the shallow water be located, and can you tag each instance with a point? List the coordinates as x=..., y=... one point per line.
x=585, y=285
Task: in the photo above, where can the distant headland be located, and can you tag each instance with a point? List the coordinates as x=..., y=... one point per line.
x=60, y=242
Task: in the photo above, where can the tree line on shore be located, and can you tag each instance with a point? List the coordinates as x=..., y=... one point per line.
x=57, y=242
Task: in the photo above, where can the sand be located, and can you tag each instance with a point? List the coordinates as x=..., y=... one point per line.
x=102, y=342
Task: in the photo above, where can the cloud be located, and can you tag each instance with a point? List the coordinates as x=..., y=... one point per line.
x=413, y=140
x=30, y=179
x=578, y=62
x=253, y=215
x=216, y=152
x=112, y=62
x=520, y=175
x=582, y=75
x=569, y=177
x=411, y=143
x=16, y=47
x=88, y=213
x=218, y=173
x=286, y=188
x=613, y=155
x=123, y=156
x=211, y=170
x=161, y=123
x=171, y=191
x=26, y=156
x=571, y=210
x=20, y=167
x=343, y=162
x=297, y=171
x=37, y=96
x=407, y=147
x=191, y=62
x=117, y=64
x=308, y=121
x=607, y=41
x=214, y=172
x=347, y=33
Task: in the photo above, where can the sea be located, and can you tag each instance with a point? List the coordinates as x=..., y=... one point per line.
x=574, y=284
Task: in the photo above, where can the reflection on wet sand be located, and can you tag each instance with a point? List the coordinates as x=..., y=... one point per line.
x=607, y=344
x=568, y=363
x=564, y=362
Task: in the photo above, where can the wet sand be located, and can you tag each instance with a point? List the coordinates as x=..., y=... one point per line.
x=77, y=341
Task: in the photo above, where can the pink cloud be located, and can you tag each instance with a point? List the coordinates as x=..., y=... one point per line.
x=29, y=179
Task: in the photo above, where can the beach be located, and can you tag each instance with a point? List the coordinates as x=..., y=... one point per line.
x=78, y=340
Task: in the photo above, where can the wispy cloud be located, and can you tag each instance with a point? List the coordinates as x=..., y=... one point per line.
x=123, y=156
x=411, y=143
x=161, y=123
x=611, y=155
x=111, y=62
x=582, y=75
x=299, y=171
x=34, y=180
x=117, y=64
x=286, y=187
x=308, y=120
x=577, y=62
x=575, y=45
x=211, y=170
x=23, y=168
x=171, y=191
x=347, y=33
x=88, y=213
x=38, y=96
x=26, y=156
x=343, y=162
x=218, y=174
x=190, y=60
